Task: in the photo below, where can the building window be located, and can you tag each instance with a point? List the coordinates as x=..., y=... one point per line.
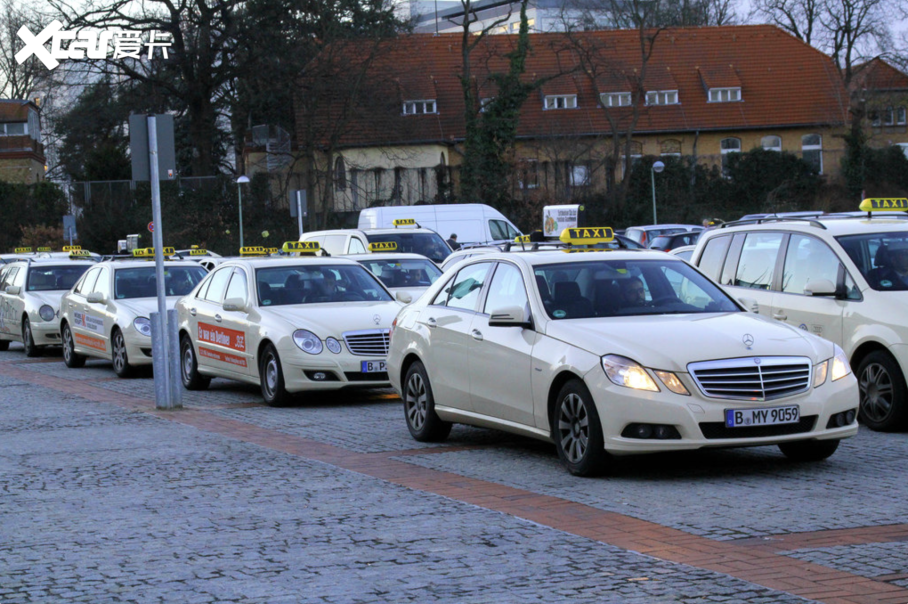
x=579, y=175
x=529, y=174
x=662, y=97
x=483, y=103
x=875, y=118
x=418, y=107
x=14, y=129
x=900, y=116
x=729, y=146
x=724, y=95
x=771, y=143
x=561, y=101
x=340, y=174
x=615, y=99
x=812, y=151
x=888, y=116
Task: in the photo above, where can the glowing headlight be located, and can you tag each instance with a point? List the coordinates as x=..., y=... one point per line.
x=840, y=365
x=819, y=374
x=307, y=341
x=625, y=372
x=143, y=326
x=672, y=382
x=333, y=345
x=47, y=313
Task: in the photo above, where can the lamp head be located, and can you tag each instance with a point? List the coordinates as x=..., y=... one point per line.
x=242, y=180
x=658, y=167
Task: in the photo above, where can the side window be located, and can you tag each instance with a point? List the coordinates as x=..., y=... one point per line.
x=731, y=260
x=441, y=299
x=237, y=287
x=102, y=285
x=851, y=288
x=335, y=244
x=5, y=278
x=713, y=257
x=87, y=283
x=218, y=283
x=506, y=289
x=496, y=228
x=464, y=289
x=19, y=277
x=356, y=246
x=807, y=258
x=758, y=260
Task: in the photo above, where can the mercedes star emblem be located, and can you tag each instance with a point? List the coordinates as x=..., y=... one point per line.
x=377, y=320
x=748, y=340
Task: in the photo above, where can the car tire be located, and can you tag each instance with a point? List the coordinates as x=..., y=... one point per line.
x=72, y=359
x=883, y=405
x=118, y=354
x=4, y=345
x=419, y=407
x=809, y=450
x=189, y=367
x=31, y=349
x=272, y=379
x=577, y=431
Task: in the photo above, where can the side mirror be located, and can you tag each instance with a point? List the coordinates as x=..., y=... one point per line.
x=13, y=290
x=509, y=316
x=820, y=287
x=750, y=304
x=95, y=298
x=235, y=304
x=404, y=297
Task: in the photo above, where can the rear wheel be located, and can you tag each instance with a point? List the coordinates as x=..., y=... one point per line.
x=70, y=356
x=118, y=354
x=883, y=404
x=809, y=450
x=4, y=345
x=578, y=432
x=419, y=407
x=272, y=378
x=31, y=349
x=189, y=368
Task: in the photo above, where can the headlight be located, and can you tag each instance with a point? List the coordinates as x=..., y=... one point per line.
x=47, y=313
x=672, y=382
x=333, y=345
x=143, y=326
x=625, y=372
x=819, y=374
x=840, y=365
x=307, y=341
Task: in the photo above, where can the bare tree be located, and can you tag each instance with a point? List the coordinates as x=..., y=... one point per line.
x=19, y=81
x=800, y=18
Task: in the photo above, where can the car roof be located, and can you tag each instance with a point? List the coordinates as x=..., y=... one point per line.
x=653, y=227
x=271, y=261
x=832, y=224
x=384, y=256
x=561, y=256
x=368, y=232
x=55, y=261
x=127, y=263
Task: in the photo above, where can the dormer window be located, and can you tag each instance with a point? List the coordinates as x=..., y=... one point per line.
x=615, y=99
x=484, y=103
x=724, y=95
x=662, y=97
x=14, y=129
x=561, y=101
x=418, y=107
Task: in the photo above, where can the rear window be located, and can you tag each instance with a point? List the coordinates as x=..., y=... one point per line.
x=51, y=278
x=430, y=245
x=405, y=272
x=141, y=282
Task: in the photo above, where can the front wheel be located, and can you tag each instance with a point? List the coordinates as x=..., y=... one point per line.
x=419, y=407
x=883, y=405
x=72, y=359
x=118, y=355
x=272, y=378
x=809, y=450
x=31, y=349
x=189, y=368
x=4, y=345
x=578, y=431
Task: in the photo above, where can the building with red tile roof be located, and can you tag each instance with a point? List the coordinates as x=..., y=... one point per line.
x=21, y=152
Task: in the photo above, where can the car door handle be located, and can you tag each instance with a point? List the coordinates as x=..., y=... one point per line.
x=779, y=316
x=192, y=311
x=217, y=318
x=431, y=322
x=477, y=335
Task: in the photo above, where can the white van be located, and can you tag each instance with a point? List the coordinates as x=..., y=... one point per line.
x=471, y=222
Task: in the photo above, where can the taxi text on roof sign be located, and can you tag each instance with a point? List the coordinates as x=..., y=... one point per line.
x=272, y=250
x=587, y=236
x=301, y=246
x=252, y=250
x=148, y=252
x=69, y=248
x=383, y=246
x=198, y=252
x=23, y=250
x=403, y=222
x=876, y=205
x=522, y=239
x=79, y=253
x=45, y=249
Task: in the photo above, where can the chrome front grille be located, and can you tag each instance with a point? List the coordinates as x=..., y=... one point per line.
x=752, y=378
x=368, y=343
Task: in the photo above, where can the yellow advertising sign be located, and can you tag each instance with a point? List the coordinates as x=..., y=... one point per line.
x=880, y=205
x=587, y=236
x=383, y=246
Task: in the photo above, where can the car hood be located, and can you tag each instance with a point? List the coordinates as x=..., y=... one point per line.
x=670, y=342
x=334, y=319
x=51, y=298
x=143, y=307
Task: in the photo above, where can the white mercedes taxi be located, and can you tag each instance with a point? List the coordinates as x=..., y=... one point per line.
x=30, y=292
x=106, y=315
x=610, y=353
x=407, y=236
x=288, y=325
x=407, y=274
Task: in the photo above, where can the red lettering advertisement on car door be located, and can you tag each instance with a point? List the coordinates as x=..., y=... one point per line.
x=228, y=338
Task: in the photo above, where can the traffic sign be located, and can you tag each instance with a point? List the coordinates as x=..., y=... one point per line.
x=151, y=227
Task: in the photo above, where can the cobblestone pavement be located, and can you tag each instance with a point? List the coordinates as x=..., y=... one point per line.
x=105, y=499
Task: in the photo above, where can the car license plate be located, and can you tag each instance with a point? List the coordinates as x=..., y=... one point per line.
x=767, y=416
x=373, y=367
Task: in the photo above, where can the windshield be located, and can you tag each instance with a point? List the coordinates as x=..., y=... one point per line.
x=881, y=257
x=610, y=288
x=49, y=278
x=430, y=245
x=403, y=272
x=313, y=284
x=140, y=282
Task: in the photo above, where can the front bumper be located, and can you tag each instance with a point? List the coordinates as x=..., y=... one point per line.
x=700, y=421
x=45, y=333
x=138, y=347
x=328, y=371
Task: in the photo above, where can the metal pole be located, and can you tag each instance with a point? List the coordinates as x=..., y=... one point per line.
x=173, y=341
x=161, y=372
x=239, y=188
x=299, y=211
x=652, y=174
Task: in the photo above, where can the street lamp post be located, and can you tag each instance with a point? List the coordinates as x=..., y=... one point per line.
x=239, y=187
x=657, y=168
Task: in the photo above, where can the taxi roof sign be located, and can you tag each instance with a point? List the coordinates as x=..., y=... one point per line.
x=23, y=250
x=197, y=251
x=252, y=250
x=383, y=246
x=522, y=239
x=148, y=252
x=272, y=250
x=403, y=222
x=882, y=205
x=310, y=247
x=45, y=249
x=79, y=254
x=69, y=248
x=587, y=236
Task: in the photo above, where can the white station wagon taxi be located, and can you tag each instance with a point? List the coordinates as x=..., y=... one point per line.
x=612, y=353
x=30, y=293
x=407, y=236
x=106, y=315
x=288, y=325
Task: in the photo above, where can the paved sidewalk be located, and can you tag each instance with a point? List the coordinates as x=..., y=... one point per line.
x=105, y=499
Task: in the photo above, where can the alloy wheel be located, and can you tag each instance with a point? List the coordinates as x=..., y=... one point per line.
x=876, y=392
x=573, y=427
x=416, y=400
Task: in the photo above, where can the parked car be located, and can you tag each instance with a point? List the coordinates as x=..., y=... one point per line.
x=644, y=235
x=667, y=243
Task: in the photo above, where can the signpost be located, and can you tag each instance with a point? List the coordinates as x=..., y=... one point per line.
x=298, y=207
x=69, y=227
x=151, y=227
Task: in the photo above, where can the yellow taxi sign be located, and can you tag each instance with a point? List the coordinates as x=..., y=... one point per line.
x=23, y=250
x=301, y=246
x=522, y=239
x=195, y=251
x=383, y=246
x=587, y=236
x=45, y=249
x=79, y=254
x=69, y=248
x=142, y=252
x=252, y=250
x=878, y=205
x=272, y=250
x=169, y=251
x=403, y=222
